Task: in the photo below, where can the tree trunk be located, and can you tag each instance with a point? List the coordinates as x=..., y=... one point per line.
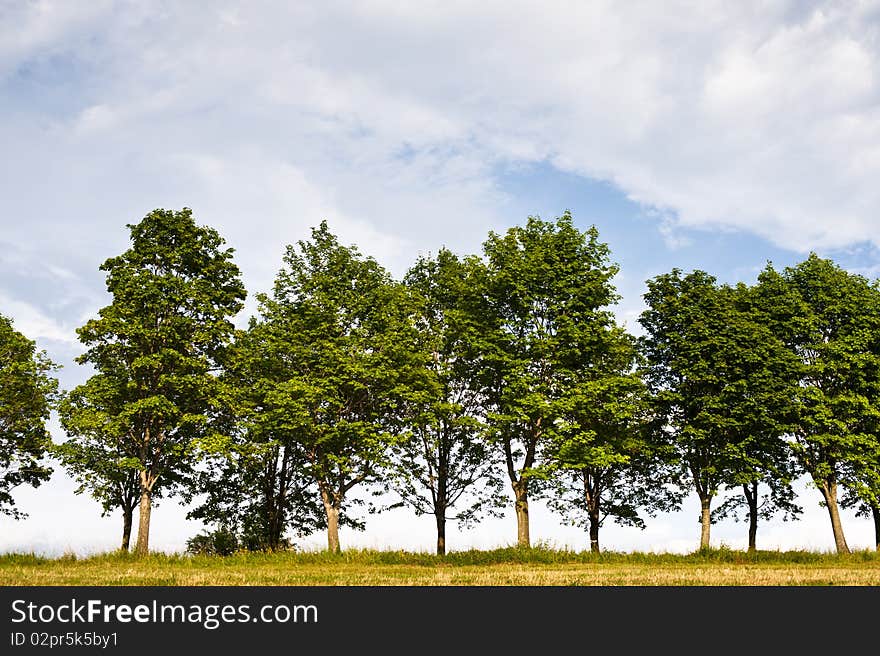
x=521, y=491
x=441, y=500
x=332, y=511
x=594, y=532
x=278, y=515
x=751, y=493
x=593, y=499
x=829, y=492
x=333, y=529
x=127, y=513
x=142, y=547
x=705, y=520
x=269, y=478
x=440, y=515
x=875, y=511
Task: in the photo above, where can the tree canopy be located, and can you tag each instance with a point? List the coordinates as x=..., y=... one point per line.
x=155, y=349
x=602, y=461
x=829, y=318
x=548, y=289
x=28, y=392
x=445, y=467
x=720, y=384
x=436, y=390
x=340, y=346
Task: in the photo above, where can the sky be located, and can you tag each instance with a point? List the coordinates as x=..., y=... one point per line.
x=699, y=135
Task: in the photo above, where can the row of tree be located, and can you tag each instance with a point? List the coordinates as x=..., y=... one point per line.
x=470, y=377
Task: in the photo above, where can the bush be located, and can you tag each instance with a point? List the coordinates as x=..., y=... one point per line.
x=220, y=542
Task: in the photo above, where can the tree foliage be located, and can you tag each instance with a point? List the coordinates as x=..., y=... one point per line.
x=339, y=333
x=438, y=387
x=830, y=320
x=28, y=392
x=761, y=382
x=548, y=288
x=98, y=459
x=602, y=461
x=720, y=384
x=254, y=483
x=445, y=468
x=155, y=349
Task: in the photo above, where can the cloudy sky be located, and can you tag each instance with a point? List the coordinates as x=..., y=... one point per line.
x=710, y=135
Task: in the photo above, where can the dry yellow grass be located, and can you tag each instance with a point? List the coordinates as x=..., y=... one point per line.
x=288, y=570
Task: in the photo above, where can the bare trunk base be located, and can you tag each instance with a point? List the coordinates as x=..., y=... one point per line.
x=751, y=492
x=441, y=533
x=594, y=534
x=142, y=548
x=875, y=511
x=332, y=528
x=127, y=515
x=522, y=516
x=829, y=493
x=705, y=520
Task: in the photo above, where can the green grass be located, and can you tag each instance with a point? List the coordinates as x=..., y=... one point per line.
x=505, y=566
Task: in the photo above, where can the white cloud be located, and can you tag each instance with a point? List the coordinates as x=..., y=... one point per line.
x=748, y=115
x=39, y=26
x=33, y=323
x=753, y=116
x=95, y=118
x=395, y=122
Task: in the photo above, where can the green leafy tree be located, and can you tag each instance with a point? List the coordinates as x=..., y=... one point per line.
x=28, y=393
x=720, y=387
x=761, y=377
x=446, y=468
x=255, y=482
x=155, y=349
x=830, y=319
x=860, y=476
x=602, y=460
x=98, y=459
x=341, y=332
x=258, y=491
x=548, y=287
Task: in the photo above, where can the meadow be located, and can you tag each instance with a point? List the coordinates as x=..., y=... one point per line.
x=538, y=566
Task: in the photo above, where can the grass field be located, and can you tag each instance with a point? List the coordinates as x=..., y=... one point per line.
x=499, y=567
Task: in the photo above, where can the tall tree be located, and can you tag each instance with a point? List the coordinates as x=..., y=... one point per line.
x=548, y=288
x=155, y=352
x=445, y=468
x=341, y=332
x=602, y=460
x=255, y=480
x=28, y=393
x=829, y=318
x=761, y=376
x=721, y=387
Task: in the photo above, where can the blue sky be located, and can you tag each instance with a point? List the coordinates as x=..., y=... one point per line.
x=703, y=135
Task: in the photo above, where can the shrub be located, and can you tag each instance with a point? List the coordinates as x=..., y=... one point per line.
x=220, y=542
